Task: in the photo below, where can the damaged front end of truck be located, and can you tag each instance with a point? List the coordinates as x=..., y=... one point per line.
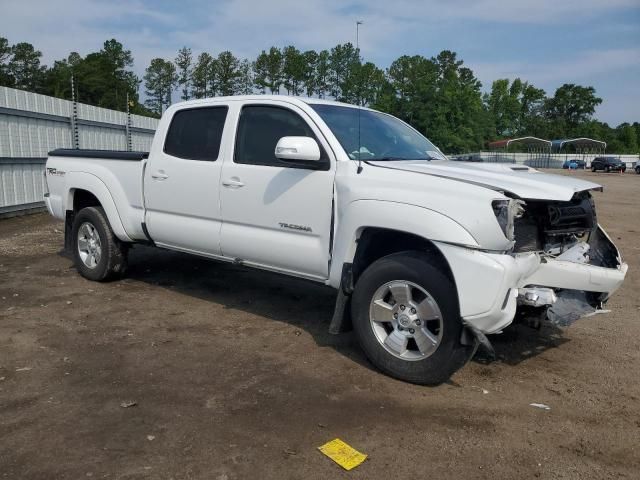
x=577, y=266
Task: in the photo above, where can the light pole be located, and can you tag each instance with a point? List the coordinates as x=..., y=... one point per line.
x=358, y=23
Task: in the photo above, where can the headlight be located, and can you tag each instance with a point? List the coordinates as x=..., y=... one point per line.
x=506, y=212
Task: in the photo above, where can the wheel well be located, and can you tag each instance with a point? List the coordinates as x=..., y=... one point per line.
x=375, y=243
x=83, y=199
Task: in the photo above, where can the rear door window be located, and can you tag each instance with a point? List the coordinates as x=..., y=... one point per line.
x=195, y=134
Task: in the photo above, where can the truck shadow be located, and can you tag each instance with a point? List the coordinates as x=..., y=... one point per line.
x=300, y=303
x=519, y=342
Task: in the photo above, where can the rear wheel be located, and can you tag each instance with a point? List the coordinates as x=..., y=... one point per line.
x=638, y=170
x=607, y=169
x=406, y=319
x=97, y=252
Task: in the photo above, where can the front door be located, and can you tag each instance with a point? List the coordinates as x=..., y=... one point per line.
x=276, y=215
x=181, y=182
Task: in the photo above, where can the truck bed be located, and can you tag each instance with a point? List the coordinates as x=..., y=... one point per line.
x=114, y=177
x=108, y=154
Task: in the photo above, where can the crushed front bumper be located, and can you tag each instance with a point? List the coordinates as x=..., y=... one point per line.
x=488, y=283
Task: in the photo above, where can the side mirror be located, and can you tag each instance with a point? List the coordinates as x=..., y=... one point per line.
x=298, y=148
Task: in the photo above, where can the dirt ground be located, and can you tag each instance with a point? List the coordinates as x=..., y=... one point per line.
x=235, y=376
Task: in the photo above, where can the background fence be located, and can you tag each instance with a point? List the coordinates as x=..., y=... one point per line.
x=541, y=160
x=31, y=125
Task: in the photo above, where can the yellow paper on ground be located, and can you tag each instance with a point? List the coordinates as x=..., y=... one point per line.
x=341, y=453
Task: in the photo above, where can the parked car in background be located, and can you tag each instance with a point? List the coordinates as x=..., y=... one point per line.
x=608, y=164
x=574, y=164
x=637, y=167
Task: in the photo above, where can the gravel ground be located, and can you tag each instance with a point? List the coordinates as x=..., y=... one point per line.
x=234, y=376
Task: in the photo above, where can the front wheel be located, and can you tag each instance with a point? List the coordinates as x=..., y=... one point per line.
x=593, y=169
x=638, y=170
x=97, y=252
x=406, y=319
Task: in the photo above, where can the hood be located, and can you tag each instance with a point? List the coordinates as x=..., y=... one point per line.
x=519, y=180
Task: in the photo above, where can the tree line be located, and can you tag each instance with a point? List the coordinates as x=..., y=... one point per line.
x=439, y=96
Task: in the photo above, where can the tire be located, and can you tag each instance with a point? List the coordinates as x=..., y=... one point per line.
x=97, y=252
x=593, y=168
x=638, y=170
x=431, y=363
x=607, y=169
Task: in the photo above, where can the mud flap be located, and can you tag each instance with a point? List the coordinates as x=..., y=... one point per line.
x=341, y=320
x=68, y=229
x=471, y=335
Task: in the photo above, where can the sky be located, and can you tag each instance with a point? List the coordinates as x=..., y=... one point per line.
x=546, y=42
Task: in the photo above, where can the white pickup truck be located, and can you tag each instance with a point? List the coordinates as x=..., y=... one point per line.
x=428, y=255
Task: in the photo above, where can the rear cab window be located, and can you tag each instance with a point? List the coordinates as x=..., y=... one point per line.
x=196, y=133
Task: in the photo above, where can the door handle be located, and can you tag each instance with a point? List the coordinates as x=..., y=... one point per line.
x=233, y=182
x=159, y=175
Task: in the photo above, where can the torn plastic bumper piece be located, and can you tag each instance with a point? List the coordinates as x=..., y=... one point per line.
x=573, y=305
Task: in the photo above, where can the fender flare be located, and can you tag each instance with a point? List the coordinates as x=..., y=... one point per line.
x=91, y=183
x=403, y=217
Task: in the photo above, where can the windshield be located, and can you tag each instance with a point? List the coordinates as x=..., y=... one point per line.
x=380, y=136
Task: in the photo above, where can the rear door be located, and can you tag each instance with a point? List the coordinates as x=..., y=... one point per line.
x=181, y=182
x=277, y=215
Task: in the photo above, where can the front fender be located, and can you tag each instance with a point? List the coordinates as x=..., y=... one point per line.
x=91, y=183
x=403, y=217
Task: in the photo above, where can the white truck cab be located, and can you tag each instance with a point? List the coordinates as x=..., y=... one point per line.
x=428, y=255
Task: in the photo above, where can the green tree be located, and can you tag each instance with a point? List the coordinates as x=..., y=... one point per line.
x=201, y=76
x=571, y=106
x=293, y=70
x=160, y=79
x=412, y=91
x=116, y=55
x=309, y=76
x=245, y=79
x=58, y=77
x=343, y=61
x=183, y=64
x=514, y=107
x=268, y=70
x=370, y=83
x=102, y=78
x=323, y=73
x=628, y=138
x=24, y=67
x=455, y=120
x=120, y=81
x=5, y=51
x=5, y=54
x=261, y=72
x=228, y=73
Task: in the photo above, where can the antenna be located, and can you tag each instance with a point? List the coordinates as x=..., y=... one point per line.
x=359, y=144
x=358, y=23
